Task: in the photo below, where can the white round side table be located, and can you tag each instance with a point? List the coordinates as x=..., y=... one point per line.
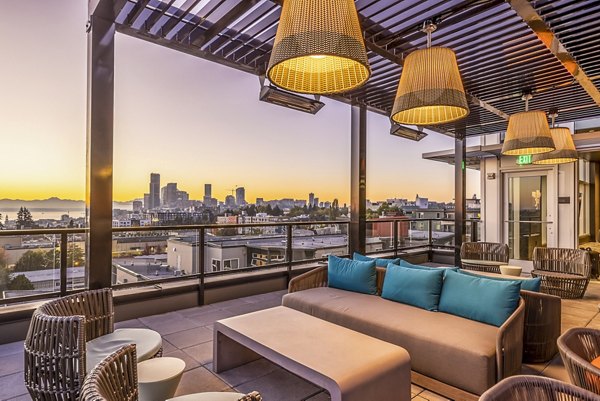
x=158, y=378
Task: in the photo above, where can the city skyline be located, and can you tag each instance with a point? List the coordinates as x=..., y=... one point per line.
x=211, y=128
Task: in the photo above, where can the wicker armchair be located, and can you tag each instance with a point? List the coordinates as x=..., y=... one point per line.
x=579, y=346
x=55, y=346
x=564, y=272
x=115, y=379
x=472, y=252
x=529, y=388
x=542, y=326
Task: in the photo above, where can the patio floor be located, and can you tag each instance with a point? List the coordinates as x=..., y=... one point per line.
x=187, y=334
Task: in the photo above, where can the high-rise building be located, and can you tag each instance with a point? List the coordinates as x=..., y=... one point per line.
x=316, y=202
x=229, y=201
x=311, y=199
x=137, y=206
x=168, y=194
x=147, y=202
x=240, y=196
x=208, y=190
x=154, y=191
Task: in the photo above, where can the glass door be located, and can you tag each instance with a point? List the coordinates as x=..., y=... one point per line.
x=529, y=212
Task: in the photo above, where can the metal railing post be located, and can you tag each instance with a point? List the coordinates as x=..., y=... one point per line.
x=63, y=264
x=430, y=229
x=395, y=237
x=201, y=264
x=288, y=251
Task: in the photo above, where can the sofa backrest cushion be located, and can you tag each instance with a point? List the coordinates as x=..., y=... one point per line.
x=379, y=262
x=404, y=263
x=528, y=284
x=487, y=301
x=352, y=275
x=416, y=287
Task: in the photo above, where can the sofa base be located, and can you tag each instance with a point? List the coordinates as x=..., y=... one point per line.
x=444, y=389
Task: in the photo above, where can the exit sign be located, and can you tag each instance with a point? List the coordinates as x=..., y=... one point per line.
x=524, y=159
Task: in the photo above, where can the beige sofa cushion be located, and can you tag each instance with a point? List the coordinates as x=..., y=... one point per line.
x=451, y=349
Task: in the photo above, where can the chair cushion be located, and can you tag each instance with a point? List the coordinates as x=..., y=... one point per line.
x=596, y=362
x=476, y=298
x=379, y=262
x=211, y=396
x=147, y=344
x=448, y=348
x=415, y=287
x=529, y=284
x=352, y=275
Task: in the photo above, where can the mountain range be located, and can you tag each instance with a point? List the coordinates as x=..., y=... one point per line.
x=53, y=203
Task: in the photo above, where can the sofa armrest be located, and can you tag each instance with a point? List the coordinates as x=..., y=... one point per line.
x=315, y=278
x=509, y=344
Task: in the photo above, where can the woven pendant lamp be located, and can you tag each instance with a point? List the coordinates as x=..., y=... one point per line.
x=319, y=48
x=528, y=133
x=430, y=89
x=565, y=147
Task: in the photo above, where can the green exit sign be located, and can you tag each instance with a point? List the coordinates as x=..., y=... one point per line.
x=524, y=159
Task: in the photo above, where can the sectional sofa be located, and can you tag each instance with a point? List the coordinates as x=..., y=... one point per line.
x=452, y=355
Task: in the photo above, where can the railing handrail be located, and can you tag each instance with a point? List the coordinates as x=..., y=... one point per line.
x=40, y=231
x=201, y=231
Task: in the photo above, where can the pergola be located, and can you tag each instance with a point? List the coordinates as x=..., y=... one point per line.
x=549, y=47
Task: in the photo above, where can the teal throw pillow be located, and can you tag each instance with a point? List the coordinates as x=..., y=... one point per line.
x=416, y=287
x=487, y=301
x=379, y=262
x=352, y=275
x=529, y=284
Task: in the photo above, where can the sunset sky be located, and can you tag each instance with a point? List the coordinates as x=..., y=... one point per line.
x=190, y=120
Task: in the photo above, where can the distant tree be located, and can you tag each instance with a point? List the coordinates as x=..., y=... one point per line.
x=75, y=257
x=4, y=272
x=251, y=210
x=276, y=211
x=32, y=260
x=227, y=232
x=20, y=282
x=1, y=225
x=71, y=223
x=24, y=218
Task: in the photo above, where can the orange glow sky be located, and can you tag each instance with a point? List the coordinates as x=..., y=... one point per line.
x=190, y=120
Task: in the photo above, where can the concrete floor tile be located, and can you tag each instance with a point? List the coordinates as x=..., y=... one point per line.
x=210, y=316
x=280, y=386
x=168, y=323
x=187, y=338
x=322, y=396
x=130, y=324
x=190, y=363
x=556, y=370
x=11, y=348
x=12, y=386
x=168, y=347
x=10, y=364
x=200, y=380
x=24, y=397
x=201, y=353
x=415, y=390
x=245, y=373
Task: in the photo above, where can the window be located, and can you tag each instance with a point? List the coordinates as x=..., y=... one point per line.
x=229, y=264
x=216, y=265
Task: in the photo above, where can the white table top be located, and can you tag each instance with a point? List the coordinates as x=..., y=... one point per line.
x=147, y=344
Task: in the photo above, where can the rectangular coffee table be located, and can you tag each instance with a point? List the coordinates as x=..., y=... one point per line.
x=349, y=365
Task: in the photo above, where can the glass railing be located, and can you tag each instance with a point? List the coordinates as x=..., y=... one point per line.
x=33, y=266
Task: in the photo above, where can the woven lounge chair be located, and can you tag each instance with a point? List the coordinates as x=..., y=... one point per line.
x=474, y=256
x=530, y=388
x=115, y=379
x=57, y=340
x=564, y=272
x=579, y=346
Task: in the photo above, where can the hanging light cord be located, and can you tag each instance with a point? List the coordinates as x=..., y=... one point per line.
x=428, y=27
x=526, y=97
x=553, y=113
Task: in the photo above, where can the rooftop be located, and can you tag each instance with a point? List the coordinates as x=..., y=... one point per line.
x=187, y=334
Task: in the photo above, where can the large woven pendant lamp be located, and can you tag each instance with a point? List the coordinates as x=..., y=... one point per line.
x=528, y=133
x=430, y=89
x=565, y=147
x=319, y=48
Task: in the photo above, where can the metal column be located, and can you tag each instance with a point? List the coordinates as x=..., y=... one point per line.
x=100, y=101
x=358, y=179
x=460, y=193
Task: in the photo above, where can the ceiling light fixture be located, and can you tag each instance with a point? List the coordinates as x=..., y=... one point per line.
x=565, y=151
x=430, y=89
x=319, y=48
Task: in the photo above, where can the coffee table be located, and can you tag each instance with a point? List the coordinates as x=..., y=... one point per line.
x=349, y=365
